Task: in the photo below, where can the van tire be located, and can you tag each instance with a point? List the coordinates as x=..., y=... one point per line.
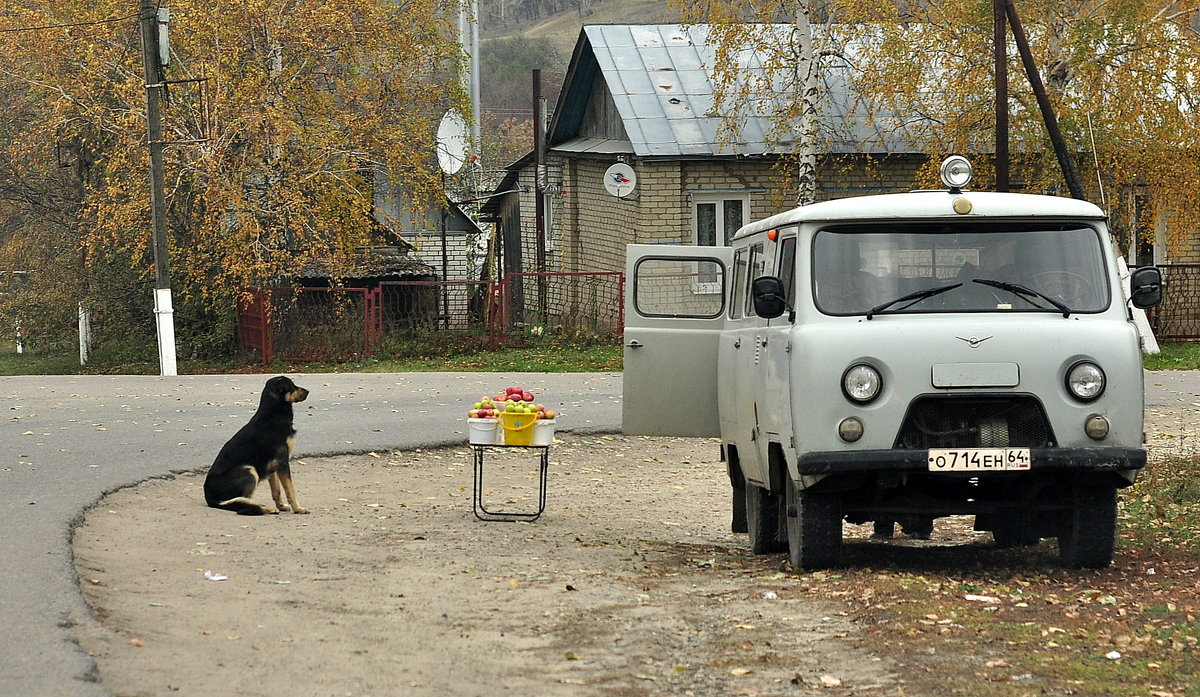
x=814, y=528
x=762, y=520
x=1088, y=531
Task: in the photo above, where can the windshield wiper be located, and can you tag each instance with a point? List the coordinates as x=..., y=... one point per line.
x=1026, y=293
x=915, y=297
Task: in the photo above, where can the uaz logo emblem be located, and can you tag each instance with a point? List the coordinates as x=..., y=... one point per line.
x=973, y=341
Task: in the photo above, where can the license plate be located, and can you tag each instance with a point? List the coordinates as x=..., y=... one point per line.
x=978, y=459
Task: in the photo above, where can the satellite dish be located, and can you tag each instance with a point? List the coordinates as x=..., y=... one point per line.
x=452, y=142
x=620, y=179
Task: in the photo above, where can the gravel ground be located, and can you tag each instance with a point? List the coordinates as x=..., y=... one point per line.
x=629, y=584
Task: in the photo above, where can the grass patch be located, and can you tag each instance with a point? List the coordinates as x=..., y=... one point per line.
x=1174, y=356
x=33, y=364
x=428, y=354
x=547, y=358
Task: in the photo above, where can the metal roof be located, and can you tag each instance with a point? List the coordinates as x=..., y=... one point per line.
x=661, y=81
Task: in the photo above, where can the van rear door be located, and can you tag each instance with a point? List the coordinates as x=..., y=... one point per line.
x=675, y=306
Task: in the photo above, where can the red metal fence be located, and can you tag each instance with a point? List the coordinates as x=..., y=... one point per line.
x=310, y=324
x=333, y=324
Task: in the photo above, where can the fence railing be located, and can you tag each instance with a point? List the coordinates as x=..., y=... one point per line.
x=1177, y=318
x=578, y=304
x=310, y=324
x=331, y=324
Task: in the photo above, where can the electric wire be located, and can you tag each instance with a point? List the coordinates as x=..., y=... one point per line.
x=110, y=20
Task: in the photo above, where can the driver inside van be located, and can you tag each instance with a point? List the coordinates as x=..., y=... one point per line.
x=847, y=288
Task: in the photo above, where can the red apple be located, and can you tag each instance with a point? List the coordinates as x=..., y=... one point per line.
x=550, y=414
x=527, y=396
x=473, y=414
x=515, y=390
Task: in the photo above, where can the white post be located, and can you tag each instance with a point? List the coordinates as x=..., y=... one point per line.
x=85, y=334
x=164, y=317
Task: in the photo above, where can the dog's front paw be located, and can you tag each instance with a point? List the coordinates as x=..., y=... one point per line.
x=270, y=511
x=283, y=507
x=300, y=511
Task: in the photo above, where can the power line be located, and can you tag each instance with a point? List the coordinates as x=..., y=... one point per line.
x=70, y=24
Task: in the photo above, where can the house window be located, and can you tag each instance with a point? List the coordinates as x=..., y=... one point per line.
x=716, y=216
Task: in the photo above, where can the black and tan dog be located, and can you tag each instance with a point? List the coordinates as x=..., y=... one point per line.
x=261, y=448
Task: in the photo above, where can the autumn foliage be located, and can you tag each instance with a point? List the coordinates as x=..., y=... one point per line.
x=1123, y=77
x=280, y=118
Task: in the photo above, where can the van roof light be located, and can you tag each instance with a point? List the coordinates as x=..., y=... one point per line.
x=773, y=234
x=956, y=172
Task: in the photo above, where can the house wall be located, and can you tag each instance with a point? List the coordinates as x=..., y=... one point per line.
x=590, y=227
x=427, y=248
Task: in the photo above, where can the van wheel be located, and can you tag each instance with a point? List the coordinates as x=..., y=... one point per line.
x=1088, y=531
x=762, y=520
x=814, y=528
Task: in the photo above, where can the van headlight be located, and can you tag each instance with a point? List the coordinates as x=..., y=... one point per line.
x=861, y=383
x=1085, y=381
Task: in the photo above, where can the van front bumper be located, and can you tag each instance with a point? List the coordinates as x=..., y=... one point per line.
x=1106, y=459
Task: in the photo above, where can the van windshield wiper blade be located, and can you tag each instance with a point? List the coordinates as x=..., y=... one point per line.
x=1026, y=293
x=915, y=297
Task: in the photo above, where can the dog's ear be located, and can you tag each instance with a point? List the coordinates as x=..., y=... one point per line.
x=279, y=385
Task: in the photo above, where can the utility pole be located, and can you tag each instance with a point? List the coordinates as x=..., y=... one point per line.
x=1000, y=44
x=1039, y=90
x=148, y=16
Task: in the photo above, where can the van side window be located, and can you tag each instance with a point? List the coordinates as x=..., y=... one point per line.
x=739, y=284
x=786, y=268
x=665, y=287
x=757, y=266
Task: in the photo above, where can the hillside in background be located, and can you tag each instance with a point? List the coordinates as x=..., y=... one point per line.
x=532, y=34
x=520, y=35
x=559, y=21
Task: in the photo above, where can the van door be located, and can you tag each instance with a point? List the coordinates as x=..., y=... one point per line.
x=675, y=306
x=773, y=379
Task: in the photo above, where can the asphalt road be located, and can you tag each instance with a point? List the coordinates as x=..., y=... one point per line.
x=67, y=440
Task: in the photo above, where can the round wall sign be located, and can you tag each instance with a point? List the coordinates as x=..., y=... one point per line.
x=620, y=179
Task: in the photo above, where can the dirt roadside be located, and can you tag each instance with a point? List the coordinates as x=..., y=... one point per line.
x=629, y=584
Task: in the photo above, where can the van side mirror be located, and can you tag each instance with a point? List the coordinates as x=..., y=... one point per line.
x=768, y=295
x=1146, y=287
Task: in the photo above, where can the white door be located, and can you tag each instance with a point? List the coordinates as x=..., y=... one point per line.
x=675, y=307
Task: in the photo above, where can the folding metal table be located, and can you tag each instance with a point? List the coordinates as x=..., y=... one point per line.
x=482, y=512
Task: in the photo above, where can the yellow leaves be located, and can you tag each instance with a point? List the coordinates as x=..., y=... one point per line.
x=299, y=97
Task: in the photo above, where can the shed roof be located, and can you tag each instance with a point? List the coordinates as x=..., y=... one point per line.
x=661, y=81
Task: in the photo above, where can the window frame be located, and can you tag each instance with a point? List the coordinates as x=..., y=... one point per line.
x=722, y=235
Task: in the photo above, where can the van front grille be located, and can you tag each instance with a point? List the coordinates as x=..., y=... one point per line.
x=935, y=421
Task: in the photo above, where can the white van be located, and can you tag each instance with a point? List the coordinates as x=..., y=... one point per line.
x=900, y=358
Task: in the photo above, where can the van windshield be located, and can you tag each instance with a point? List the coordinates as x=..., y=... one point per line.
x=910, y=268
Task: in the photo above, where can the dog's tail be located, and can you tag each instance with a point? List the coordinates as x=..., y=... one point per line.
x=240, y=505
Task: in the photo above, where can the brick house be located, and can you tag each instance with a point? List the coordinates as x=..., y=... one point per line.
x=642, y=95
